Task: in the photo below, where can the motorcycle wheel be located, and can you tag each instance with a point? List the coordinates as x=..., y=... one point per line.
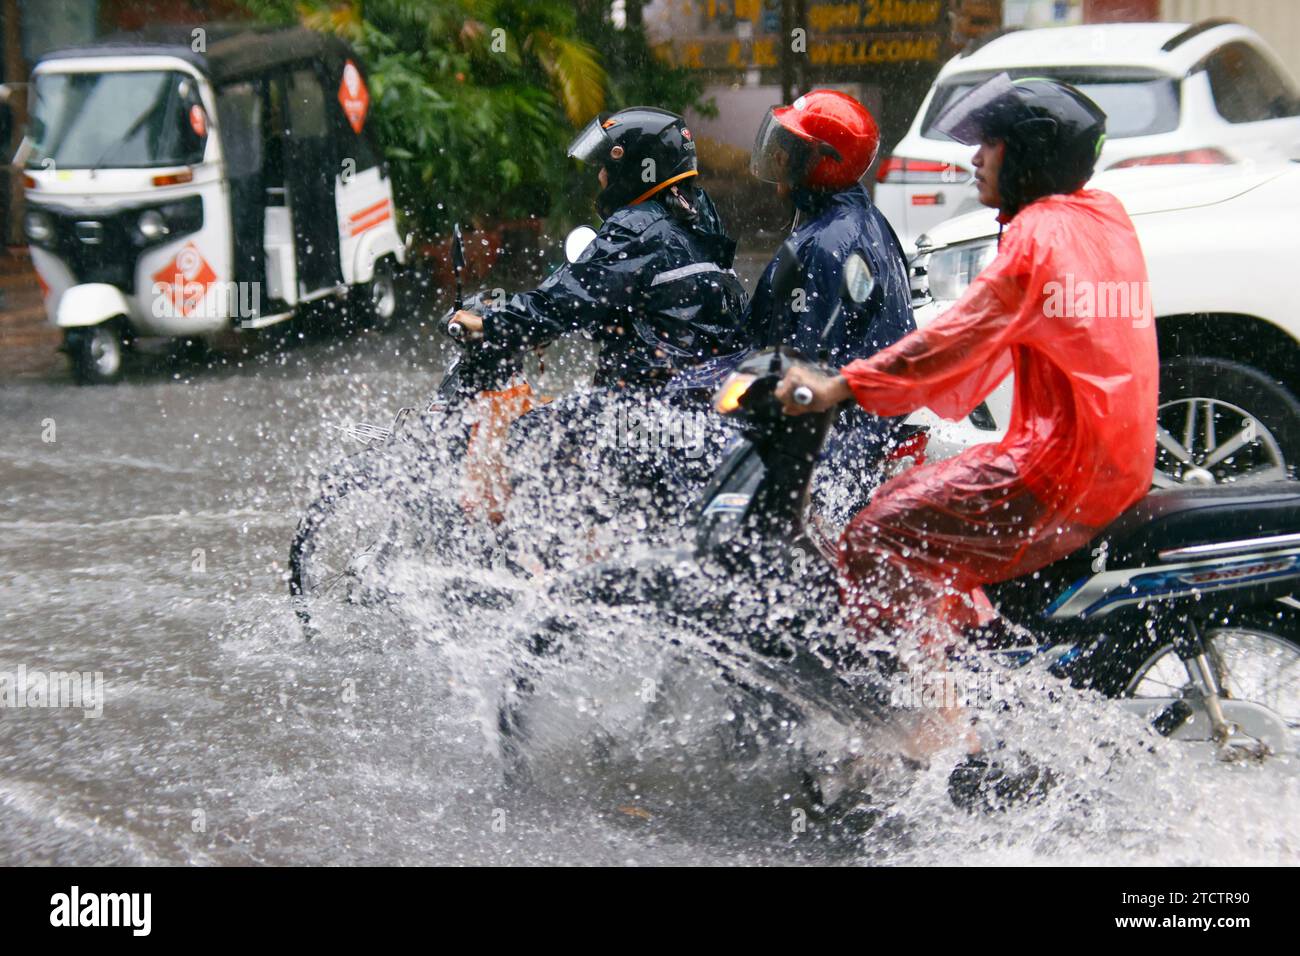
x=339, y=534
x=1255, y=654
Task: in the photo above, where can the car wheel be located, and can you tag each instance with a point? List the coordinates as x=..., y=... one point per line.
x=1221, y=422
x=97, y=353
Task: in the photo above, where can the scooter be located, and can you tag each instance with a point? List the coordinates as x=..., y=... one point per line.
x=348, y=530
x=347, y=527
x=1185, y=609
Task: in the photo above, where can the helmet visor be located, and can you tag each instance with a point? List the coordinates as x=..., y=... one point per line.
x=593, y=144
x=988, y=107
x=778, y=156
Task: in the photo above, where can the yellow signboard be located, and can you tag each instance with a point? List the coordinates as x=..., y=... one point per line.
x=874, y=15
x=831, y=52
x=852, y=33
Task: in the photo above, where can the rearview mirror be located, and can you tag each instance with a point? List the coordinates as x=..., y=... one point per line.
x=457, y=263
x=785, y=279
x=576, y=242
x=858, y=286
x=457, y=249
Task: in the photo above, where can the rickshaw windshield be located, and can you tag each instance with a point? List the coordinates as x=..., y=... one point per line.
x=119, y=120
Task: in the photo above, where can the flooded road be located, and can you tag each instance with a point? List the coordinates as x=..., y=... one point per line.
x=143, y=537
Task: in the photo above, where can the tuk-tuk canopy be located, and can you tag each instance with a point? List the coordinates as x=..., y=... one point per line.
x=231, y=51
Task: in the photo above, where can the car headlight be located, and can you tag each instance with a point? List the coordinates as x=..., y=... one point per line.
x=950, y=270
x=152, y=225
x=38, y=227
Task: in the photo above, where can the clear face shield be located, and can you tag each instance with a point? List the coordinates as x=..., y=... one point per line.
x=593, y=144
x=992, y=104
x=778, y=155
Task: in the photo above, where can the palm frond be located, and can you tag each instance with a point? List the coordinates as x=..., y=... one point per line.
x=574, y=68
x=341, y=19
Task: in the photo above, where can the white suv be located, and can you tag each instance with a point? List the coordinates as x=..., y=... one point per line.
x=1221, y=244
x=1211, y=93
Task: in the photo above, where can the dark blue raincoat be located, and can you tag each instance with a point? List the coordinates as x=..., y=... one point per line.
x=837, y=225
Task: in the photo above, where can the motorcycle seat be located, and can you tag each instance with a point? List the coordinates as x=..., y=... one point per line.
x=1172, y=518
x=1164, y=520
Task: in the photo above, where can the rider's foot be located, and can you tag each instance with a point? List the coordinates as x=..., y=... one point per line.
x=980, y=783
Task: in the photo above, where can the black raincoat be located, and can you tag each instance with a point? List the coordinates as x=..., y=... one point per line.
x=655, y=288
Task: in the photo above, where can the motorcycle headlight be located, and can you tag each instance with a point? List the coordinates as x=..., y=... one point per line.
x=38, y=227
x=949, y=271
x=152, y=225
x=732, y=391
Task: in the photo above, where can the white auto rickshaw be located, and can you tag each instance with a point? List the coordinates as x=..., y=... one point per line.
x=184, y=184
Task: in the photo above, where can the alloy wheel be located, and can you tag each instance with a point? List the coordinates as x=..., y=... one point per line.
x=1207, y=441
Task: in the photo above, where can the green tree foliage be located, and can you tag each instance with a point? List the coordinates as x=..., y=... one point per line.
x=474, y=101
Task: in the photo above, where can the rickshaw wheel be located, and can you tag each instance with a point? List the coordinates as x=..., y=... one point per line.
x=97, y=353
x=378, y=298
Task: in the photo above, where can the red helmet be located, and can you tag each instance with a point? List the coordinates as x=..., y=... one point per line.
x=824, y=140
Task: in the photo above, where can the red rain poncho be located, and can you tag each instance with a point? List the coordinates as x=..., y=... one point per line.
x=1064, y=306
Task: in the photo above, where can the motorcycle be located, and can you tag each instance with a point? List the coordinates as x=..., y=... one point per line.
x=1184, y=610
x=347, y=529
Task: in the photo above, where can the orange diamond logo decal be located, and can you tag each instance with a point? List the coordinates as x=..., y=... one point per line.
x=186, y=278
x=354, y=97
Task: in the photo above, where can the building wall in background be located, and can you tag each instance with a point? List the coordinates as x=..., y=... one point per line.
x=1120, y=11
x=1035, y=14
x=749, y=51
x=1277, y=21
x=138, y=14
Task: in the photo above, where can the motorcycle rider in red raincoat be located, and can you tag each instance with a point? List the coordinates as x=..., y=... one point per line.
x=1080, y=446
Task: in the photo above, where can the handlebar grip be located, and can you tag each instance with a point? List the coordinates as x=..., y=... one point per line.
x=803, y=395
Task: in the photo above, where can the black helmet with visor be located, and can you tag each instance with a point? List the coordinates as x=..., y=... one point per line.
x=643, y=150
x=1052, y=131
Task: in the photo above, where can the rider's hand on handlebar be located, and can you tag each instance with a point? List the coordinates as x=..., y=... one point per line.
x=472, y=323
x=827, y=391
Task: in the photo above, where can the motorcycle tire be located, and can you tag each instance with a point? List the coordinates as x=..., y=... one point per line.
x=1256, y=652
x=323, y=541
